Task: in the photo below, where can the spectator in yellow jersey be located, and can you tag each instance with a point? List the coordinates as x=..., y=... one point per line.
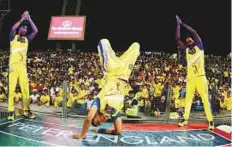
x=225, y=101
x=226, y=75
x=58, y=99
x=17, y=95
x=132, y=109
x=145, y=96
x=70, y=97
x=81, y=99
x=176, y=90
x=228, y=100
x=70, y=70
x=45, y=98
x=158, y=86
x=142, y=97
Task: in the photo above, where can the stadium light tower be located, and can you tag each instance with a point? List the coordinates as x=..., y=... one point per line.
x=70, y=7
x=4, y=8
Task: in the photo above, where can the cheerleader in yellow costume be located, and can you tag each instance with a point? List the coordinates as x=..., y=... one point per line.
x=194, y=52
x=17, y=63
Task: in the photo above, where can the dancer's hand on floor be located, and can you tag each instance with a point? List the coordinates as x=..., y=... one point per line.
x=79, y=136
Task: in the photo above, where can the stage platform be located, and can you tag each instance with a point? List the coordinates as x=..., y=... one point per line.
x=54, y=131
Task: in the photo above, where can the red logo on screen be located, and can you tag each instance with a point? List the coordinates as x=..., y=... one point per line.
x=67, y=24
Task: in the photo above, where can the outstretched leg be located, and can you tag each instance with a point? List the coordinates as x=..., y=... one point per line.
x=107, y=55
x=128, y=60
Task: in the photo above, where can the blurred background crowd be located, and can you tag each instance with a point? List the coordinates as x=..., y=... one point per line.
x=156, y=76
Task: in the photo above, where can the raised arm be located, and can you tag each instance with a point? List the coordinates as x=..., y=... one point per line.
x=196, y=37
x=14, y=28
x=34, y=29
x=179, y=42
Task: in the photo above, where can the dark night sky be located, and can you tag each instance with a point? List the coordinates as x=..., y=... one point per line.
x=150, y=22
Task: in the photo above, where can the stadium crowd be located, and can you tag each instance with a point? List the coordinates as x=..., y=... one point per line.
x=154, y=74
